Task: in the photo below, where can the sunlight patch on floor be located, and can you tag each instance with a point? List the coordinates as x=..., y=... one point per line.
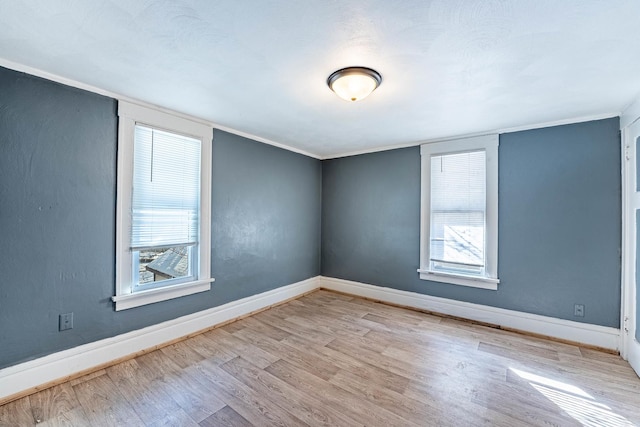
x=577, y=403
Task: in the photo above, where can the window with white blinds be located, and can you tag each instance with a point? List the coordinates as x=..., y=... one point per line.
x=459, y=212
x=163, y=243
x=165, y=206
x=458, y=202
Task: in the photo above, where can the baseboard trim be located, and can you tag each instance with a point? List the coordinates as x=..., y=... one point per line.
x=23, y=379
x=566, y=330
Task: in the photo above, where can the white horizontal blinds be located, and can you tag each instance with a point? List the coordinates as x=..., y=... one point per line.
x=166, y=189
x=458, y=205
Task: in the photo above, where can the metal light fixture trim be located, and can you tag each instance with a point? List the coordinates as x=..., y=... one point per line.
x=354, y=83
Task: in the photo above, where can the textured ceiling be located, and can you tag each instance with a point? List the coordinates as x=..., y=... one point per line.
x=449, y=67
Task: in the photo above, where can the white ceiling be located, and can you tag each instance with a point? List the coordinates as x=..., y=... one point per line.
x=259, y=67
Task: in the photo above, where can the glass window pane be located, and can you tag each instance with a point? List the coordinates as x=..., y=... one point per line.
x=165, y=206
x=155, y=265
x=638, y=164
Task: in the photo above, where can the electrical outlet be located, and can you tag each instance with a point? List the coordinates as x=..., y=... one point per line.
x=578, y=310
x=66, y=321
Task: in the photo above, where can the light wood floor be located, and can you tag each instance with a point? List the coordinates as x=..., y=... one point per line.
x=331, y=359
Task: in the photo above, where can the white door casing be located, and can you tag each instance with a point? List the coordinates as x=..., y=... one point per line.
x=630, y=348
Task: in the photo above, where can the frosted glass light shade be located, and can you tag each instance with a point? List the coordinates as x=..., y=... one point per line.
x=354, y=83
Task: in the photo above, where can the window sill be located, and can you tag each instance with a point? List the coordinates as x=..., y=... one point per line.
x=459, y=279
x=137, y=299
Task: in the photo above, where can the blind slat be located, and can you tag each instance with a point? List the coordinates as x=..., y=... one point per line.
x=166, y=189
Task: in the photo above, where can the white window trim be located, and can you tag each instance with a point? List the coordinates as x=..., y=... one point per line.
x=490, y=144
x=130, y=114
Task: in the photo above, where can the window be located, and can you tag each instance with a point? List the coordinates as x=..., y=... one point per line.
x=163, y=207
x=459, y=212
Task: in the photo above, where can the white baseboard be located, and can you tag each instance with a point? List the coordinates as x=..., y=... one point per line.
x=594, y=335
x=29, y=375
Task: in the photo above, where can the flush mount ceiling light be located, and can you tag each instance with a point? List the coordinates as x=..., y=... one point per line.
x=354, y=83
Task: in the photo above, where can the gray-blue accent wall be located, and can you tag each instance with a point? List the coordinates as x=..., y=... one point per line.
x=58, y=148
x=559, y=222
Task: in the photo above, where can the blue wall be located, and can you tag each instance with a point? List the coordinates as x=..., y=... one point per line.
x=57, y=220
x=265, y=216
x=559, y=222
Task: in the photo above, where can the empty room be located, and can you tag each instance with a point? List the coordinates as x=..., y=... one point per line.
x=356, y=213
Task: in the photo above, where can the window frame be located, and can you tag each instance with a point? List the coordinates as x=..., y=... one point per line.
x=489, y=144
x=128, y=116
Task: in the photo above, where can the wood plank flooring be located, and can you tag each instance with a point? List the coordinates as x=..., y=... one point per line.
x=328, y=359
